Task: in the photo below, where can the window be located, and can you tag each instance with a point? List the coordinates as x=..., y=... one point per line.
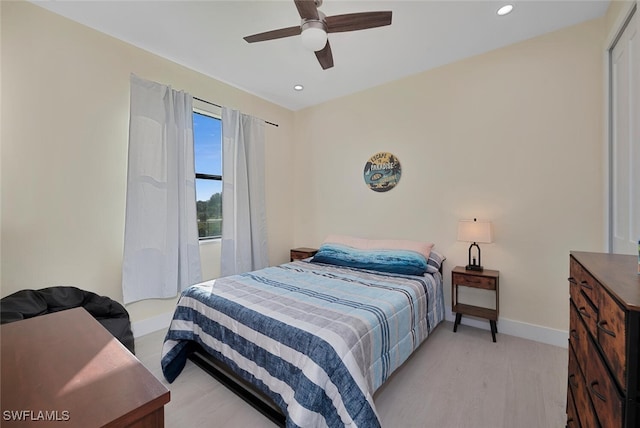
x=207, y=140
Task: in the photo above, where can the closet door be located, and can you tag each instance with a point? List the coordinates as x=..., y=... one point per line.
x=625, y=140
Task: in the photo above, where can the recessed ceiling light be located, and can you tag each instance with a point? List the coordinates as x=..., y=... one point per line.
x=298, y=88
x=504, y=10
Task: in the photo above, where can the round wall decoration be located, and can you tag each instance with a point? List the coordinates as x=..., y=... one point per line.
x=382, y=172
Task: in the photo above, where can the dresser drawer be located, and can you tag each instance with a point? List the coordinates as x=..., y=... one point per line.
x=578, y=336
x=587, y=312
x=583, y=280
x=583, y=407
x=603, y=391
x=484, y=282
x=593, y=388
x=572, y=414
x=612, y=335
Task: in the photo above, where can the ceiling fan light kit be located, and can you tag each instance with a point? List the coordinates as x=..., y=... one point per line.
x=315, y=26
x=314, y=34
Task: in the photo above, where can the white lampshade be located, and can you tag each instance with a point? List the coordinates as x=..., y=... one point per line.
x=314, y=38
x=475, y=231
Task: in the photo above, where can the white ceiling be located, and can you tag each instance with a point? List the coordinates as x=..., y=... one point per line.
x=207, y=36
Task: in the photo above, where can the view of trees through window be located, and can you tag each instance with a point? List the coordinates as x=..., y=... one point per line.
x=207, y=139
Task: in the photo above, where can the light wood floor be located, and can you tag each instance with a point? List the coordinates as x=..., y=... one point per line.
x=454, y=380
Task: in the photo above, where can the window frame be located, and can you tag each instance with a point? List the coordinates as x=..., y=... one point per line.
x=214, y=113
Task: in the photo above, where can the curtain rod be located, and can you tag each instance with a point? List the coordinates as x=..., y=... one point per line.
x=218, y=105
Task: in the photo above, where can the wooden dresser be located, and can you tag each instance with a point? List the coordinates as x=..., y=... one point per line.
x=604, y=340
x=65, y=370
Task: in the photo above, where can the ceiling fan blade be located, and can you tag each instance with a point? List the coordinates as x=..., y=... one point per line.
x=325, y=58
x=357, y=21
x=274, y=34
x=307, y=9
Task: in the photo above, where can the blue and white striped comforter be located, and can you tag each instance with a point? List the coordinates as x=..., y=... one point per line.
x=318, y=339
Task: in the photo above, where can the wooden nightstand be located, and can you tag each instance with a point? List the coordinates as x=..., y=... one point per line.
x=302, y=253
x=486, y=280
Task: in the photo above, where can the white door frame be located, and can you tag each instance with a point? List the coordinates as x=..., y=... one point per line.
x=613, y=36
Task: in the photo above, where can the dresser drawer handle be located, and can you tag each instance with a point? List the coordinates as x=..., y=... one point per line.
x=583, y=312
x=572, y=380
x=572, y=280
x=601, y=325
x=586, y=285
x=596, y=393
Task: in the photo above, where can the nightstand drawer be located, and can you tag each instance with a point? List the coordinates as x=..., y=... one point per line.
x=302, y=253
x=474, y=281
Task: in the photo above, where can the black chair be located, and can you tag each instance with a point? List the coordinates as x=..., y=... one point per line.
x=112, y=315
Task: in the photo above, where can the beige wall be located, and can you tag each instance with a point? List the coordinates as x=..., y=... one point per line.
x=513, y=136
x=65, y=103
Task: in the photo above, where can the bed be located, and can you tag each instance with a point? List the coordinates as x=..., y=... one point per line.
x=317, y=337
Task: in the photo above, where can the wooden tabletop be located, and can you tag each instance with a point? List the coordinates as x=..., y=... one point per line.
x=483, y=272
x=68, y=365
x=619, y=273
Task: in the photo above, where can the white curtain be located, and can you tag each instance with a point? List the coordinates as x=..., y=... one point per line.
x=161, y=250
x=244, y=223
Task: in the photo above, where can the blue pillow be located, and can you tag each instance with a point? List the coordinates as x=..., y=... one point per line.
x=391, y=261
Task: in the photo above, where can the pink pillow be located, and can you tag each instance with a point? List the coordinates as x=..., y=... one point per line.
x=423, y=248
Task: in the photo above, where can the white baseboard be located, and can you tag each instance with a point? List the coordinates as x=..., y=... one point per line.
x=150, y=325
x=521, y=329
x=505, y=326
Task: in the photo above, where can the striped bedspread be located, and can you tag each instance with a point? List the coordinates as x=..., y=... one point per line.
x=318, y=339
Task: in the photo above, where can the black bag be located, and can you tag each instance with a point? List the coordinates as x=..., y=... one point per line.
x=25, y=304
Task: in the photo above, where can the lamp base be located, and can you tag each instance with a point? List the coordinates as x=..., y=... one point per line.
x=474, y=267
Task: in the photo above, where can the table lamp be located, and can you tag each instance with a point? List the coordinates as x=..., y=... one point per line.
x=475, y=231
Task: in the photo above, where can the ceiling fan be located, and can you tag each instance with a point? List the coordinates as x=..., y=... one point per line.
x=315, y=25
